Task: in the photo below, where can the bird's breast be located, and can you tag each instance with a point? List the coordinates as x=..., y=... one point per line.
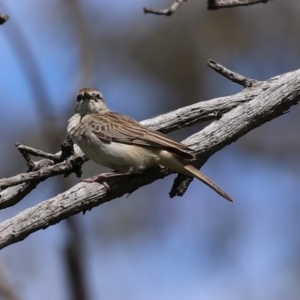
x=118, y=156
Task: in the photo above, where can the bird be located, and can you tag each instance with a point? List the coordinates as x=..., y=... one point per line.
x=123, y=144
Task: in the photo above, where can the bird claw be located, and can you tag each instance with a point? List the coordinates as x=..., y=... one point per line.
x=102, y=178
x=98, y=178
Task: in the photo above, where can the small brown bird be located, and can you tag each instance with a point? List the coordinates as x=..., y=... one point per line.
x=124, y=145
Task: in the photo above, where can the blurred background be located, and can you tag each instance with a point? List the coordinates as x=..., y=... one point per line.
x=148, y=246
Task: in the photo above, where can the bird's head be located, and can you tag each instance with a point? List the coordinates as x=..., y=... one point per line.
x=89, y=101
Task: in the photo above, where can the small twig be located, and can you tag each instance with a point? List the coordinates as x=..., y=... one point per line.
x=3, y=18
x=180, y=185
x=215, y=4
x=36, y=152
x=233, y=76
x=166, y=12
x=27, y=157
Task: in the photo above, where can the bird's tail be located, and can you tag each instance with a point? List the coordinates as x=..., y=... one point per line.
x=180, y=165
x=202, y=177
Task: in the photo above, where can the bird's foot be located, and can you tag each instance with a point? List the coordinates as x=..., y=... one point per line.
x=104, y=177
x=98, y=178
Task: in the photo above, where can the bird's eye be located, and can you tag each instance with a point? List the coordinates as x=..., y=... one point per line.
x=79, y=97
x=96, y=96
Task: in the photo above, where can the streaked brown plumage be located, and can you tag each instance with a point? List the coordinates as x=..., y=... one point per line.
x=121, y=143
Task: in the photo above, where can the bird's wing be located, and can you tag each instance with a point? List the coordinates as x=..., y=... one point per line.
x=115, y=127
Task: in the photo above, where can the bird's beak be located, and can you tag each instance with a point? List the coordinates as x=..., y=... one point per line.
x=86, y=95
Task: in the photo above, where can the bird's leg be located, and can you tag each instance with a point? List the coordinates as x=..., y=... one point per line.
x=98, y=178
x=102, y=178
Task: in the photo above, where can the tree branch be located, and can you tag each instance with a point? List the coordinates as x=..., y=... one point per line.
x=44, y=173
x=216, y=4
x=272, y=99
x=166, y=12
x=36, y=152
x=3, y=18
x=233, y=76
x=211, y=5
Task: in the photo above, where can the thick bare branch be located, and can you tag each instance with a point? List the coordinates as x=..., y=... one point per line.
x=274, y=98
x=15, y=194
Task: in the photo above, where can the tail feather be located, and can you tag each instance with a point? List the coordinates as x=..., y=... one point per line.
x=180, y=165
x=202, y=177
